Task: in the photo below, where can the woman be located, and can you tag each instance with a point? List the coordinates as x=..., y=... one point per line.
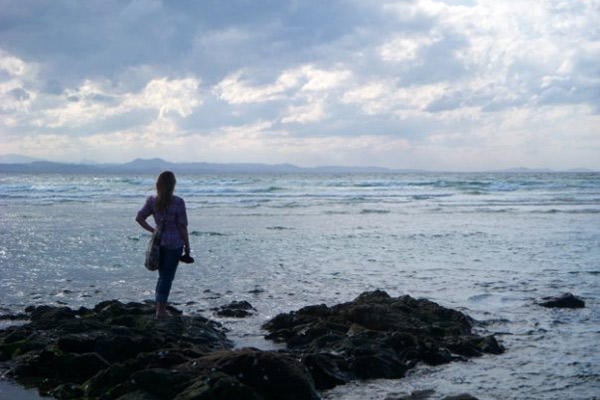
x=174, y=239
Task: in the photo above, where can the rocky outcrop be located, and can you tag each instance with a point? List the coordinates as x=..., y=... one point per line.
x=566, y=300
x=235, y=309
x=376, y=336
x=426, y=395
x=118, y=351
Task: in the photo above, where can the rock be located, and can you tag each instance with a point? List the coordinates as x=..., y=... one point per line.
x=463, y=396
x=416, y=395
x=426, y=394
x=376, y=336
x=218, y=386
x=94, y=351
x=566, y=300
x=160, y=382
x=118, y=351
x=325, y=370
x=67, y=391
x=235, y=309
x=271, y=375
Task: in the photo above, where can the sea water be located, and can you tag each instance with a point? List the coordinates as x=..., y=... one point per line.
x=488, y=244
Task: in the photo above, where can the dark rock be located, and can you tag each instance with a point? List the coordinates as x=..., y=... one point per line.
x=96, y=351
x=218, y=386
x=463, y=396
x=235, y=309
x=271, y=375
x=566, y=300
x=15, y=317
x=43, y=314
x=376, y=336
x=67, y=391
x=119, y=351
x=325, y=370
x=162, y=383
x=416, y=395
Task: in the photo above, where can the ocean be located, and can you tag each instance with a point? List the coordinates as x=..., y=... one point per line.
x=488, y=244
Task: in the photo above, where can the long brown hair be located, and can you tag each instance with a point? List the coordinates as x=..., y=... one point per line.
x=165, y=185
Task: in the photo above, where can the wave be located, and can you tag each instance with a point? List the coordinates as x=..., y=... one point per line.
x=279, y=228
x=505, y=190
x=374, y=211
x=576, y=211
x=201, y=233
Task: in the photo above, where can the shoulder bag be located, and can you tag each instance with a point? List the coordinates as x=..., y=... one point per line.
x=153, y=250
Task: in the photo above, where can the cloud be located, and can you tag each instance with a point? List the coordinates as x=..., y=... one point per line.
x=384, y=97
x=96, y=101
x=313, y=111
x=12, y=66
x=274, y=78
x=234, y=89
x=178, y=95
x=404, y=49
x=15, y=94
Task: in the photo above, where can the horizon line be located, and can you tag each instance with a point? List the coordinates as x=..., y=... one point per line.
x=31, y=161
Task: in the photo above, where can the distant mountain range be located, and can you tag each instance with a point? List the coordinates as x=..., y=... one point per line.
x=156, y=165
x=22, y=164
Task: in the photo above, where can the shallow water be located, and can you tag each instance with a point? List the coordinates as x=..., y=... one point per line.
x=490, y=245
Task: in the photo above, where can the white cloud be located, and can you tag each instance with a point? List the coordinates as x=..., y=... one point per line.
x=313, y=111
x=404, y=49
x=177, y=95
x=234, y=89
x=95, y=101
x=15, y=94
x=13, y=66
x=321, y=80
x=383, y=97
x=258, y=143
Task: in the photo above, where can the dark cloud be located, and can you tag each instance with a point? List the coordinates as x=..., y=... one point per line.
x=77, y=40
x=19, y=94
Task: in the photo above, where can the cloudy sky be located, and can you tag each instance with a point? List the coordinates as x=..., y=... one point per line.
x=457, y=85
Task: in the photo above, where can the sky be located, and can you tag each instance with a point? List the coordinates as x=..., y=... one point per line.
x=442, y=85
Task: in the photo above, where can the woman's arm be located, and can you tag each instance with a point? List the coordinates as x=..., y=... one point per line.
x=186, y=239
x=145, y=213
x=144, y=224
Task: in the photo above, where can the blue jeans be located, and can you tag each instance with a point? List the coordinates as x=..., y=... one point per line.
x=169, y=259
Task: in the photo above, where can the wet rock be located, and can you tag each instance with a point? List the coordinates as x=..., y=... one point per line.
x=463, y=396
x=109, y=344
x=376, y=336
x=67, y=391
x=416, y=395
x=327, y=370
x=566, y=300
x=118, y=351
x=270, y=375
x=235, y=309
x=218, y=386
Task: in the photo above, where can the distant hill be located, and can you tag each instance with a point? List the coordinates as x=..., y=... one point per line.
x=156, y=165
x=16, y=159
x=21, y=164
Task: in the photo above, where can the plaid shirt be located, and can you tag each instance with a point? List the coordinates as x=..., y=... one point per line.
x=176, y=218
